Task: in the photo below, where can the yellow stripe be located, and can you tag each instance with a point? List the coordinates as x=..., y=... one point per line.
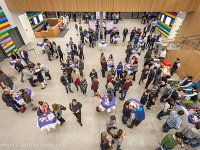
x=162, y=32
x=4, y=24
x=3, y=36
x=170, y=15
x=10, y=43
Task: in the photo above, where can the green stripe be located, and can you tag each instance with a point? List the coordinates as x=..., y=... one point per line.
x=2, y=13
x=9, y=53
x=2, y=32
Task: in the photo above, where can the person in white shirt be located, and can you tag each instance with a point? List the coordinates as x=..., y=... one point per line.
x=68, y=49
x=163, y=54
x=166, y=108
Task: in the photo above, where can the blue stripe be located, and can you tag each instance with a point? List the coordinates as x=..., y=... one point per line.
x=5, y=39
x=160, y=27
x=4, y=19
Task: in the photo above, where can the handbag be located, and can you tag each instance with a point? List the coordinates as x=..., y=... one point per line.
x=63, y=107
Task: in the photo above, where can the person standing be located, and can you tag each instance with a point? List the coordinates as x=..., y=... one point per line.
x=128, y=53
x=166, y=108
x=132, y=35
x=119, y=70
x=118, y=139
x=144, y=74
x=105, y=144
x=173, y=121
x=9, y=100
x=40, y=77
x=80, y=48
x=60, y=53
x=6, y=80
x=103, y=64
x=151, y=76
x=145, y=97
x=170, y=141
x=125, y=87
x=19, y=67
x=75, y=107
x=126, y=112
x=75, y=75
x=24, y=55
x=175, y=66
x=66, y=81
x=111, y=124
x=48, y=51
x=83, y=85
x=45, y=69
x=57, y=110
x=80, y=66
x=152, y=41
x=93, y=74
x=125, y=32
x=95, y=85
x=153, y=25
x=27, y=99
x=139, y=117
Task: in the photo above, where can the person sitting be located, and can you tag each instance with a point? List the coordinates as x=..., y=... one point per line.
x=8, y=98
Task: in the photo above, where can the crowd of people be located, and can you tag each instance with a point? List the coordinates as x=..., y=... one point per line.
x=119, y=78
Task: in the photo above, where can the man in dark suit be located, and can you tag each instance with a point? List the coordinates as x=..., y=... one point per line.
x=151, y=76
x=24, y=55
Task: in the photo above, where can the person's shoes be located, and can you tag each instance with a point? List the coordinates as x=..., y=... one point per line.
x=22, y=80
x=49, y=79
x=97, y=109
x=120, y=98
x=81, y=124
x=148, y=108
x=139, y=83
x=66, y=91
x=129, y=126
x=34, y=85
x=77, y=89
x=50, y=59
x=42, y=88
x=158, y=117
x=71, y=91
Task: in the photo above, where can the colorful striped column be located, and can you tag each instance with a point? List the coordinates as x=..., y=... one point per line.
x=162, y=27
x=5, y=39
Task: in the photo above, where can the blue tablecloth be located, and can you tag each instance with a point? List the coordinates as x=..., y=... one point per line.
x=128, y=67
x=108, y=105
x=102, y=41
x=18, y=97
x=110, y=64
x=135, y=101
x=46, y=119
x=12, y=62
x=40, y=44
x=73, y=66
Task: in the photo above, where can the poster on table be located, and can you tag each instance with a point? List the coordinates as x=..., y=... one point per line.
x=98, y=15
x=109, y=25
x=92, y=25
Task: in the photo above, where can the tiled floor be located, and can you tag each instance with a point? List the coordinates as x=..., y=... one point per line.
x=20, y=132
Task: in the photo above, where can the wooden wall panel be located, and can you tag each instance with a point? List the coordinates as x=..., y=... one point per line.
x=103, y=5
x=191, y=24
x=190, y=62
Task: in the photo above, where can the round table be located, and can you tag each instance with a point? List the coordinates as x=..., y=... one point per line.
x=107, y=105
x=129, y=67
x=47, y=121
x=110, y=64
x=102, y=43
x=74, y=66
x=134, y=102
x=18, y=97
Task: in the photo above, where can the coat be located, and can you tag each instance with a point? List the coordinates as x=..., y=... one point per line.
x=5, y=79
x=95, y=85
x=81, y=64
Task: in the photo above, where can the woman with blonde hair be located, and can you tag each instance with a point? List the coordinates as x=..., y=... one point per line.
x=110, y=88
x=105, y=144
x=57, y=110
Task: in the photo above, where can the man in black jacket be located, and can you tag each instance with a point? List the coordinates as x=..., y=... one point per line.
x=151, y=76
x=19, y=67
x=126, y=112
x=9, y=100
x=125, y=32
x=24, y=55
x=75, y=107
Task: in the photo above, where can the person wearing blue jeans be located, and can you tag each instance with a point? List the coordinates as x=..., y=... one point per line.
x=123, y=94
x=166, y=127
x=125, y=87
